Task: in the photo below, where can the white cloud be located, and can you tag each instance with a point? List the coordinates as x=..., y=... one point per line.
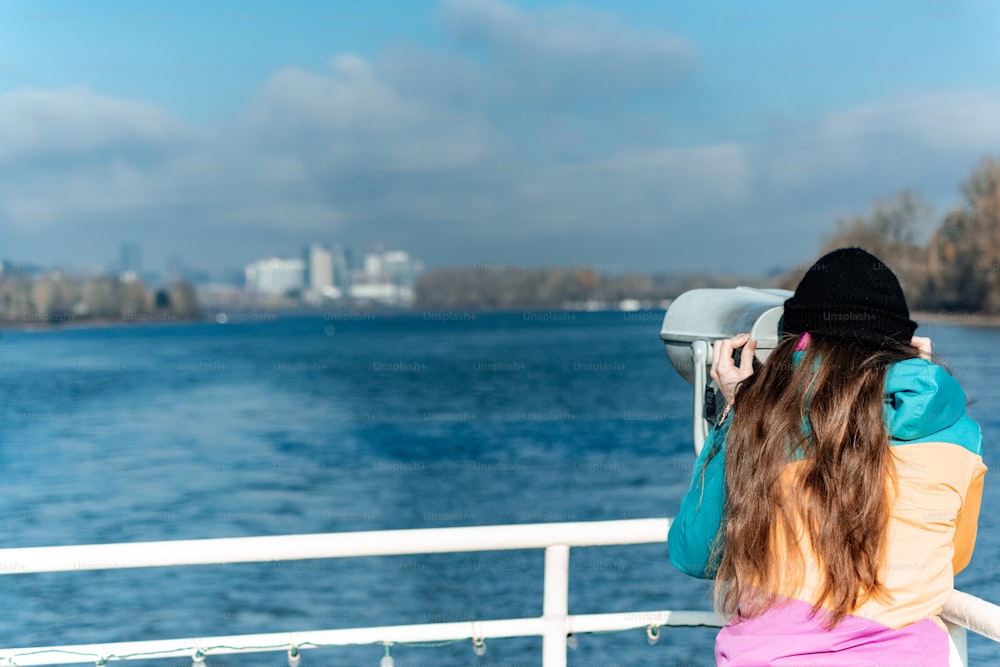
x=894, y=135
x=353, y=118
x=567, y=52
x=928, y=142
x=40, y=124
x=369, y=149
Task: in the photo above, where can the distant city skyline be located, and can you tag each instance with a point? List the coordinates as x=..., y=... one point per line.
x=130, y=256
x=634, y=136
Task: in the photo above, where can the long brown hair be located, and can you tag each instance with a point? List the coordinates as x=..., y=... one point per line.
x=826, y=411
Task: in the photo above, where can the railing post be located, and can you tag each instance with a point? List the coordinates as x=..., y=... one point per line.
x=959, y=636
x=555, y=606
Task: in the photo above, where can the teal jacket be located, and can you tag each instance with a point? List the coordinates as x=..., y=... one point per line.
x=923, y=404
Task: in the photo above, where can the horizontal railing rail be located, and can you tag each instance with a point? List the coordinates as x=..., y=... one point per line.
x=331, y=545
x=390, y=635
x=961, y=612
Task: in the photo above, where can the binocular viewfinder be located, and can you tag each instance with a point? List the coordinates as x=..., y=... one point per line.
x=699, y=317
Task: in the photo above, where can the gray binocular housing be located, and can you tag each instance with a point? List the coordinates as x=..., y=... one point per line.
x=698, y=317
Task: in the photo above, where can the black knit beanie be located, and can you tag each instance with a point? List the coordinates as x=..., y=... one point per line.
x=850, y=293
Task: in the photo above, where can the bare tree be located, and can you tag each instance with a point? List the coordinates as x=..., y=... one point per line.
x=982, y=192
x=889, y=232
x=957, y=281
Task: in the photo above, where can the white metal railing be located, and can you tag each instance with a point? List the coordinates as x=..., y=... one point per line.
x=961, y=612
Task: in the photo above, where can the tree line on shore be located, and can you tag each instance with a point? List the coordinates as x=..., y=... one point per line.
x=957, y=270
x=57, y=298
x=487, y=288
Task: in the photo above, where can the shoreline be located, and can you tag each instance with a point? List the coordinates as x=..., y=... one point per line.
x=966, y=319
x=921, y=317
x=90, y=324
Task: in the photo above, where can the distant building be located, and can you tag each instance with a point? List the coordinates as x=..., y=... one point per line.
x=130, y=258
x=387, y=277
x=275, y=277
x=318, y=268
x=385, y=293
x=399, y=269
x=327, y=272
x=372, y=270
x=342, y=259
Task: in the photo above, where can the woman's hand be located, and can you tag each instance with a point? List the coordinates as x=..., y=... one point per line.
x=724, y=371
x=923, y=346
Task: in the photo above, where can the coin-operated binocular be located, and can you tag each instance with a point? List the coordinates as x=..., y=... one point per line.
x=699, y=317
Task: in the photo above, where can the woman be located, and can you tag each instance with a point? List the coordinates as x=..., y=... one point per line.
x=839, y=493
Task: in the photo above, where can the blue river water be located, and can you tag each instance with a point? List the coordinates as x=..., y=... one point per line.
x=357, y=422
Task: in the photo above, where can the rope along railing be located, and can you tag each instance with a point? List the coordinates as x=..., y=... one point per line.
x=962, y=611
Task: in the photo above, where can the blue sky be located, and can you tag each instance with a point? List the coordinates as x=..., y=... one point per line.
x=631, y=135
